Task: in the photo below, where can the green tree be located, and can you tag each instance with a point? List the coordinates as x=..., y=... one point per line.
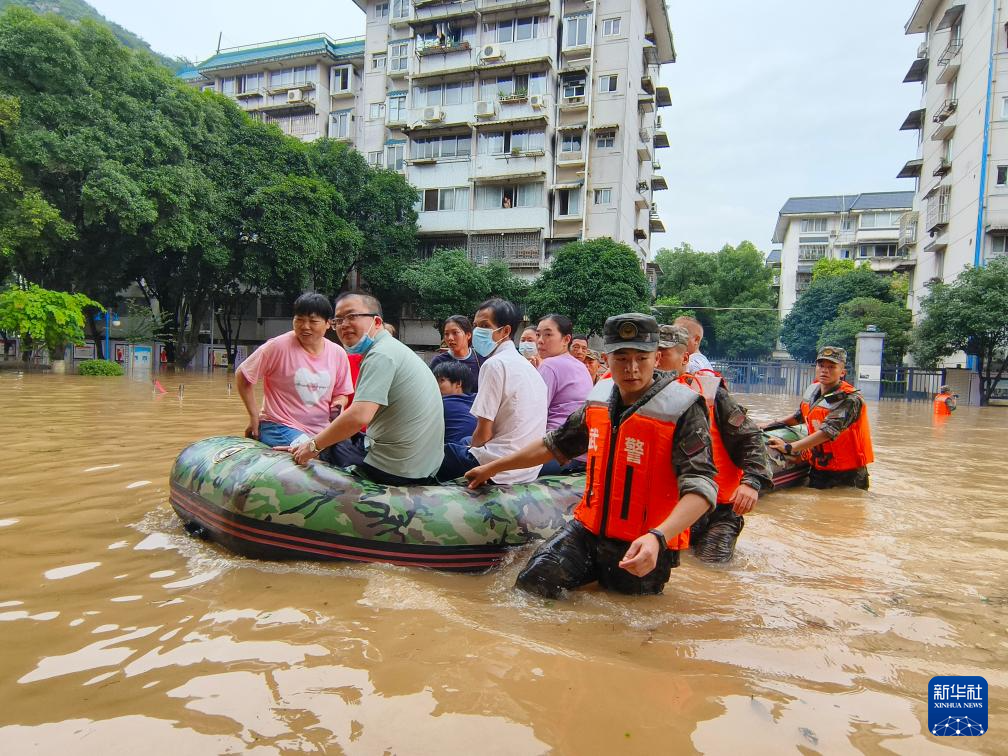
x=450, y=284
x=820, y=303
x=855, y=316
x=589, y=281
x=969, y=315
x=828, y=266
x=50, y=319
x=729, y=292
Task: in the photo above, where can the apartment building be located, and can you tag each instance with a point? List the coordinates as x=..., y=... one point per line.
x=525, y=124
x=961, y=165
x=872, y=227
x=308, y=86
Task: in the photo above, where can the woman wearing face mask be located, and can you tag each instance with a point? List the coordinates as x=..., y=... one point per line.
x=528, y=346
x=510, y=406
x=458, y=338
x=567, y=382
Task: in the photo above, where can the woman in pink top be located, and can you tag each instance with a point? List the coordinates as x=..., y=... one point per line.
x=567, y=380
x=306, y=378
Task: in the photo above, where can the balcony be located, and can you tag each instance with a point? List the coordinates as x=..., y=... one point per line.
x=429, y=12
x=938, y=200
x=487, y=7
x=907, y=230
x=944, y=131
x=570, y=159
x=510, y=219
x=947, y=108
x=644, y=146
x=639, y=234
x=949, y=61
x=568, y=104
x=647, y=83
x=646, y=103
x=444, y=49
x=442, y=221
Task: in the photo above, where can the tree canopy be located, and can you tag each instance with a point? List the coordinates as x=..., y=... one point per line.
x=968, y=315
x=590, y=281
x=43, y=318
x=729, y=292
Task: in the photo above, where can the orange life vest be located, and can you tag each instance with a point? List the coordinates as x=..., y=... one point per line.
x=729, y=475
x=851, y=449
x=632, y=484
x=940, y=404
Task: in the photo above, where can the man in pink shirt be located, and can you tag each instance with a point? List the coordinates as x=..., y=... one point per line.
x=306, y=378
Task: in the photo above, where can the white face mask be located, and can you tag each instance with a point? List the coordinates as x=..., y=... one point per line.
x=528, y=349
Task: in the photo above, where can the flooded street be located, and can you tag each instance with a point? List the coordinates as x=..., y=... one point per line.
x=120, y=634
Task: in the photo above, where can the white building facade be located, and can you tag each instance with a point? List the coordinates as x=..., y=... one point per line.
x=871, y=227
x=961, y=165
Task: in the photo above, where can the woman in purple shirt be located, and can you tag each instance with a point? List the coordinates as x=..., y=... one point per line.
x=567, y=380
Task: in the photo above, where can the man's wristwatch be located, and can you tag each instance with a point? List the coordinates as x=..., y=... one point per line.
x=662, y=543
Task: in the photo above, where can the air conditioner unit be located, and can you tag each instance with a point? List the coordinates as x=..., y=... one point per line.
x=833, y=234
x=657, y=122
x=654, y=208
x=574, y=100
x=433, y=115
x=294, y=95
x=492, y=52
x=485, y=109
x=537, y=101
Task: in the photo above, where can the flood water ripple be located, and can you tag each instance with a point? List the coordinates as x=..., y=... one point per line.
x=121, y=634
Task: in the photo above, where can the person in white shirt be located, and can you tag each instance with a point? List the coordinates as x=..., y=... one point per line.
x=511, y=404
x=696, y=359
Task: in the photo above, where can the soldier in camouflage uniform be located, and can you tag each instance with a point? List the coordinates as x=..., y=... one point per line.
x=839, y=442
x=650, y=473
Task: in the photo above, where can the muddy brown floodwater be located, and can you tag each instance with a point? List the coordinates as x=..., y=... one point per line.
x=120, y=634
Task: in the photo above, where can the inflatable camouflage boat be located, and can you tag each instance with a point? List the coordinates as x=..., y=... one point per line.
x=258, y=503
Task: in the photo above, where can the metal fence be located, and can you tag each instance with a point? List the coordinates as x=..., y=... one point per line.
x=745, y=377
x=911, y=384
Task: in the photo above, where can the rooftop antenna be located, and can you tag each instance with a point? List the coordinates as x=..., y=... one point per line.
x=219, y=37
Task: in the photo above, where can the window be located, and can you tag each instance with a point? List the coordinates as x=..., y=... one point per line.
x=492, y=87
x=1002, y=175
x=847, y=223
x=442, y=147
x=376, y=111
x=207, y=88
x=605, y=140
x=228, y=85
x=339, y=124
x=508, y=196
x=400, y=8
x=341, y=79
x=876, y=250
x=376, y=159
x=845, y=254
x=396, y=108
x=292, y=77
x=603, y=196
x=399, y=56
x=611, y=27
x=571, y=141
x=814, y=225
x=452, y=198
x=513, y=29
x=449, y=93
x=568, y=202
x=576, y=30
x=574, y=87
x=251, y=82
x=607, y=83
x=505, y=142
x=883, y=219
x=378, y=62
x=395, y=156
x=999, y=246
x=381, y=10
x=811, y=251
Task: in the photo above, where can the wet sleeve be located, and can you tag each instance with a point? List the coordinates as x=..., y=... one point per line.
x=570, y=440
x=843, y=416
x=691, y=453
x=743, y=440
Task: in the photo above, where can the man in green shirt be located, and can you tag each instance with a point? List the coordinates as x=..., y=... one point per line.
x=396, y=397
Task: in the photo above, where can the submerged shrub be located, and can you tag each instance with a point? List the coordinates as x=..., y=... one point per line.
x=99, y=367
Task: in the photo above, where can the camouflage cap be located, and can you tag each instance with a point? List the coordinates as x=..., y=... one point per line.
x=672, y=336
x=833, y=354
x=631, y=330
x=593, y=355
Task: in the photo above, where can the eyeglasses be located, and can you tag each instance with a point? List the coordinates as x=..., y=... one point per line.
x=341, y=320
x=312, y=321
